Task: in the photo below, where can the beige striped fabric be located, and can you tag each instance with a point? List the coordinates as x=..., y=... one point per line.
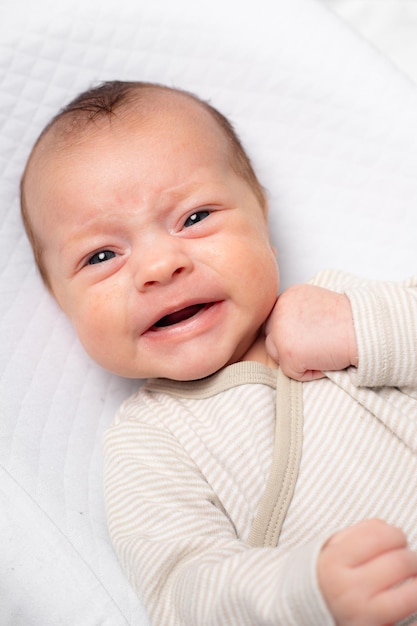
x=186, y=465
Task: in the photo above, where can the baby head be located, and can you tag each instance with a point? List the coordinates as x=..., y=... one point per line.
x=148, y=225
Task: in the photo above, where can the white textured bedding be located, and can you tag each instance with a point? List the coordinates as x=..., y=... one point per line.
x=391, y=26
x=332, y=129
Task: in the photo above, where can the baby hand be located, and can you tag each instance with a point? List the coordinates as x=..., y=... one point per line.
x=367, y=575
x=311, y=330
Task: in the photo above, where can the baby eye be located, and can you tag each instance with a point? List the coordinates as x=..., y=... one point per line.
x=100, y=257
x=196, y=217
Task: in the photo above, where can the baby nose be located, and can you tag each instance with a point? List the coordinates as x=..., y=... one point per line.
x=161, y=265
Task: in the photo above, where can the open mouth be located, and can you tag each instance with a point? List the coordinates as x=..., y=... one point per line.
x=180, y=316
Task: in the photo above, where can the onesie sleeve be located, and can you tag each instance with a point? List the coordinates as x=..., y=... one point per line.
x=385, y=320
x=180, y=549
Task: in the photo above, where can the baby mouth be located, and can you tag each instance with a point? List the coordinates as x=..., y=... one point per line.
x=180, y=316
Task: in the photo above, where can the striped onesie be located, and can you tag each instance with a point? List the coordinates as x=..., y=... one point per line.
x=187, y=465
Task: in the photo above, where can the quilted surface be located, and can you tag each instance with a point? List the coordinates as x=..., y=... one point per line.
x=332, y=129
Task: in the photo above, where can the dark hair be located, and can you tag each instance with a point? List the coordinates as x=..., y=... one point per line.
x=112, y=97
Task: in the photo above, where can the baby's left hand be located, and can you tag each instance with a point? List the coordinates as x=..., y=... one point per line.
x=310, y=330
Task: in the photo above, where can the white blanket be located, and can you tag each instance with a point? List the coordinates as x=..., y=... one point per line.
x=332, y=129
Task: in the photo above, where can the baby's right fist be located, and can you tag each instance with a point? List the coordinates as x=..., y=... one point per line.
x=367, y=575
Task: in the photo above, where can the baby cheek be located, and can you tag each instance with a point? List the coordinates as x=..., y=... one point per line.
x=95, y=322
x=265, y=269
x=268, y=279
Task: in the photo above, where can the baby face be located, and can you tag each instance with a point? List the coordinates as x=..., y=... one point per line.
x=155, y=248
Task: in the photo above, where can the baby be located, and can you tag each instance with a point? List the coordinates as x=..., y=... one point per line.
x=236, y=494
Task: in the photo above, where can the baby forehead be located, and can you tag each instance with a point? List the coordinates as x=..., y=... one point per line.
x=159, y=119
x=154, y=122
x=152, y=109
